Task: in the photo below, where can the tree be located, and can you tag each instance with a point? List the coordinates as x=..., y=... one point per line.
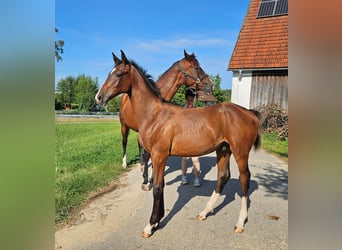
x=114, y=105
x=179, y=97
x=227, y=94
x=77, y=92
x=85, y=91
x=58, y=48
x=58, y=101
x=220, y=95
x=66, y=88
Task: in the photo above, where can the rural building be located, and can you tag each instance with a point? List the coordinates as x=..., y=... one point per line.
x=259, y=61
x=208, y=100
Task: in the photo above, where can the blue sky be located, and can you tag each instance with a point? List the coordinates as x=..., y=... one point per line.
x=153, y=33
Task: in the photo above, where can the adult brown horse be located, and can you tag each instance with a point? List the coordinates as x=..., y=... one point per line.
x=186, y=71
x=166, y=129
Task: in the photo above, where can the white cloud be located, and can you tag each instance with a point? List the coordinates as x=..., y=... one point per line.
x=180, y=43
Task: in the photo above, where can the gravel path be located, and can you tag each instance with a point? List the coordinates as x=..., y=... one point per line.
x=116, y=219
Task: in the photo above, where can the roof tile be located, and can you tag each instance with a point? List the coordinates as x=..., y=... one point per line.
x=262, y=42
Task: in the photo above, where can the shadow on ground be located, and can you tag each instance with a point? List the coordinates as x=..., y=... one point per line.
x=187, y=192
x=275, y=181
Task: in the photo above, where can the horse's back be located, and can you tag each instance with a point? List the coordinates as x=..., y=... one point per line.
x=239, y=114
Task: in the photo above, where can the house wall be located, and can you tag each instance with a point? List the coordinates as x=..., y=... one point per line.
x=269, y=87
x=252, y=89
x=241, y=88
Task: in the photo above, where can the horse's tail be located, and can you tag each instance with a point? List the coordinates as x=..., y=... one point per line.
x=257, y=113
x=257, y=142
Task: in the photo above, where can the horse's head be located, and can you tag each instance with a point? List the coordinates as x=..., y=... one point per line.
x=117, y=81
x=194, y=75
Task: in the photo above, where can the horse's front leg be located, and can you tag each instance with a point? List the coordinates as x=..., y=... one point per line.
x=158, y=196
x=223, y=175
x=145, y=156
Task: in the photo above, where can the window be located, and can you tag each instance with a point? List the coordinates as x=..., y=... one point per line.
x=272, y=8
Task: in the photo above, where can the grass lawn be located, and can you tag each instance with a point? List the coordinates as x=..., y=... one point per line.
x=88, y=156
x=273, y=145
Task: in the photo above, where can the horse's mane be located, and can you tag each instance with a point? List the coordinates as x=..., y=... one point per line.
x=192, y=58
x=148, y=79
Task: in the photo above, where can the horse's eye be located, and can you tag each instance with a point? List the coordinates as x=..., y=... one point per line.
x=119, y=74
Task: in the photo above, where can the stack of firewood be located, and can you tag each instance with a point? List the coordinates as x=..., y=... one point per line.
x=273, y=119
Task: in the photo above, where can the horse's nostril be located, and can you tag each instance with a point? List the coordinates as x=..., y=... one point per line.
x=99, y=97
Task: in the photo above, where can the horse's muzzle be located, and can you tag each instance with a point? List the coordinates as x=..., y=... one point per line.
x=99, y=100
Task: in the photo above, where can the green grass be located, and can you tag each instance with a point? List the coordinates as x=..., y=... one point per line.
x=273, y=145
x=88, y=156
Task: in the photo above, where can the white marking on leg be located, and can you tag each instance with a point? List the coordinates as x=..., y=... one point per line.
x=124, y=162
x=210, y=205
x=243, y=213
x=148, y=228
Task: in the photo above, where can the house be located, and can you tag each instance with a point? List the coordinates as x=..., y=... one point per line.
x=259, y=61
x=207, y=99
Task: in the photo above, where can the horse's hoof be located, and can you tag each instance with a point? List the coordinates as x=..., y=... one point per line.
x=145, y=235
x=146, y=187
x=200, y=217
x=238, y=229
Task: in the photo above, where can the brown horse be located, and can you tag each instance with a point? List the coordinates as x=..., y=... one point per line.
x=166, y=129
x=186, y=71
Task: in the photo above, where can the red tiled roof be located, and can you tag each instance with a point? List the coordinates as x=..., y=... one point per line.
x=205, y=98
x=262, y=42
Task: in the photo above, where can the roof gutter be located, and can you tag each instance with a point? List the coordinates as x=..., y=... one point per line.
x=251, y=70
x=257, y=69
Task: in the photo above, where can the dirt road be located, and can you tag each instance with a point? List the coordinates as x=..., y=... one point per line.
x=116, y=219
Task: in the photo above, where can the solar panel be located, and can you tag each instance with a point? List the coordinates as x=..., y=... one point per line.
x=281, y=8
x=269, y=8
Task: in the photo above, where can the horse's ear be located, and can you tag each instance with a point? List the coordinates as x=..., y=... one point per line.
x=116, y=59
x=189, y=57
x=186, y=55
x=124, y=58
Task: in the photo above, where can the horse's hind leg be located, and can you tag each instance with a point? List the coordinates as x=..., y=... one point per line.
x=223, y=175
x=124, y=133
x=244, y=181
x=145, y=156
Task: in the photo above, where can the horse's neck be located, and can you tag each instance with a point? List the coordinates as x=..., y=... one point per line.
x=144, y=101
x=169, y=83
